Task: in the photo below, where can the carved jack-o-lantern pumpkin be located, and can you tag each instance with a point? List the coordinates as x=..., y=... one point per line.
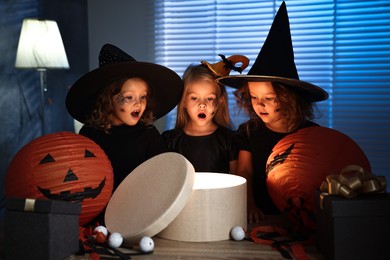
x=62, y=166
x=300, y=162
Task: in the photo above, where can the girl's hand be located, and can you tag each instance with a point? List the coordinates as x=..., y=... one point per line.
x=255, y=215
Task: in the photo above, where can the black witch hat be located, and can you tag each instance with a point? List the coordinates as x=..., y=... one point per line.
x=275, y=62
x=114, y=63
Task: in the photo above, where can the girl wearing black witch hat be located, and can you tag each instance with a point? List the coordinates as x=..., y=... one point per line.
x=278, y=103
x=118, y=102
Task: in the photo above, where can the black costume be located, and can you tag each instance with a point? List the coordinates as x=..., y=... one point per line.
x=259, y=141
x=127, y=146
x=209, y=153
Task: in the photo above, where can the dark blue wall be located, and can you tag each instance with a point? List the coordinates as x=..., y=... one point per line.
x=20, y=89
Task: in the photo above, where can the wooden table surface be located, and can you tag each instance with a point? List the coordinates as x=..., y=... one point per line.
x=229, y=249
x=169, y=249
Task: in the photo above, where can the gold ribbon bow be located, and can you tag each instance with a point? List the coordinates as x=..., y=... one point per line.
x=351, y=181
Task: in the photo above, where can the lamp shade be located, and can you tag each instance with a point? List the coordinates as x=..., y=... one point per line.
x=40, y=45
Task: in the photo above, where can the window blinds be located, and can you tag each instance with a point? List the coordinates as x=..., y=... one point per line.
x=361, y=75
x=341, y=45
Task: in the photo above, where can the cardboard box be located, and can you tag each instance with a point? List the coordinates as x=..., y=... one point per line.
x=353, y=228
x=41, y=229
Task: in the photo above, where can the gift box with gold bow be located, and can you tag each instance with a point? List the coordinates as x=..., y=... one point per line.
x=41, y=229
x=353, y=216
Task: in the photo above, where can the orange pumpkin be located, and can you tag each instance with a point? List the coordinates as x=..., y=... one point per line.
x=62, y=166
x=300, y=162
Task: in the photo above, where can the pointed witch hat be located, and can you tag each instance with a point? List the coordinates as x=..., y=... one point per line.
x=166, y=85
x=275, y=62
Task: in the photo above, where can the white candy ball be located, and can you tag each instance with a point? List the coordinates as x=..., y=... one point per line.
x=102, y=229
x=146, y=245
x=237, y=233
x=115, y=240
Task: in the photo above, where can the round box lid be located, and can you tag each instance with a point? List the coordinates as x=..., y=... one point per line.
x=150, y=197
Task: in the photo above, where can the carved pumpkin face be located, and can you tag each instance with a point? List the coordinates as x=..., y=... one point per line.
x=62, y=166
x=300, y=162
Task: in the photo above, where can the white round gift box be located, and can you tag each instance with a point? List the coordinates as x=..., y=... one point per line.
x=217, y=204
x=165, y=196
